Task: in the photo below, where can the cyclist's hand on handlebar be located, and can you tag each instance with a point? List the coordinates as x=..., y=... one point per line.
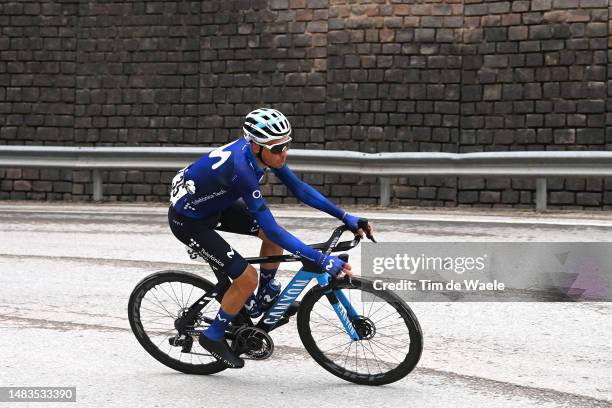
x=334, y=265
x=359, y=226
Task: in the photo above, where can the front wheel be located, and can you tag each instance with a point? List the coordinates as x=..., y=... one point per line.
x=390, y=342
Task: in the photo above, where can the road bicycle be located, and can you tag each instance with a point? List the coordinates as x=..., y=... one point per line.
x=357, y=333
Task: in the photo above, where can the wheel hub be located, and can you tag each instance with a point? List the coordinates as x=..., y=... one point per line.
x=364, y=327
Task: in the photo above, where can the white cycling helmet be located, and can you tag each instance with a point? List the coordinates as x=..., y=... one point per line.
x=265, y=124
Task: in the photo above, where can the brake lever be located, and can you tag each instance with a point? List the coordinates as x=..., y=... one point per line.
x=363, y=224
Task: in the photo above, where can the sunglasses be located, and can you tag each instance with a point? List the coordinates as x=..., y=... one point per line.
x=277, y=148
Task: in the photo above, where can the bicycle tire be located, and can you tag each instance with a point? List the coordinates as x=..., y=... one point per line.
x=134, y=316
x=410, y=361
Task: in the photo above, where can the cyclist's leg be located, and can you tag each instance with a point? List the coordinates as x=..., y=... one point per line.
x=238, y=220
x=199, y=235
x=240, y=290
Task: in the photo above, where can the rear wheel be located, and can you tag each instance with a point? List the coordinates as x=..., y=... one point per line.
x=391, y=338
x=154, y=306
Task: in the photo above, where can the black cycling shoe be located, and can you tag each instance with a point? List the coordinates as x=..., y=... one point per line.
x=221, y=351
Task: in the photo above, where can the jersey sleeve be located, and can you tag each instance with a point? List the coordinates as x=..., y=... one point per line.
x=306, y=193
x=251, y=193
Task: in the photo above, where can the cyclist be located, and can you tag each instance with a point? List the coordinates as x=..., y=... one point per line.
x=221, y=191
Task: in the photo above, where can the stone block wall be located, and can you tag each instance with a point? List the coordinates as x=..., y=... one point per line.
x=366, y=75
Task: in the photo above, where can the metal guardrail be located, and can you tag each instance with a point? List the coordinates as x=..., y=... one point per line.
x=539, y=164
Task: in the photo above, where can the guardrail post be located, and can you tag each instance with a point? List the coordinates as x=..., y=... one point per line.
x=385, y=192
x=97, y=185
x=541, y=194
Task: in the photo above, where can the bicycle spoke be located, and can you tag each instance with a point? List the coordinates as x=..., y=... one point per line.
x=328, y=337
x=364, y=357
x=378, y=359
x=380, y=344
x=344, y=344
x=348, y=352
x=156, y=329
x=335, y=329
x=329, y=322
x=157, y=313
x=176, y=296
x=391, y=325
x=154, y=321
x=385, y=362
x=325, y=306
x=377, y=310
x=373, y=355
x=390, y=314
x=162, y=340
x=161, y=304
x=159, y=330
x=170, y=297
x=182, y=298
x=199, y=358
x=189, y=297
x=371, y=306
x=401, y=337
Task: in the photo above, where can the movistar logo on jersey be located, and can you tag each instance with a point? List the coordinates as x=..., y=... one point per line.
x=329, y=265
x=222, y=154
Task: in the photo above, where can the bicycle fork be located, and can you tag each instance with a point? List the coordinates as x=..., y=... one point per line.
x=342, y=306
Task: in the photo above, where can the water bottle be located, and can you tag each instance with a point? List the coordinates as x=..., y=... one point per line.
x=252, y=307
x=269, y=294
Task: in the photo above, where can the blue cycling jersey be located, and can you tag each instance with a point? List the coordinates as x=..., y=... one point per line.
x=230, y=172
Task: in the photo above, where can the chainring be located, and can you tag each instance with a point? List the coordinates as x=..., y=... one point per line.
x=254, y=342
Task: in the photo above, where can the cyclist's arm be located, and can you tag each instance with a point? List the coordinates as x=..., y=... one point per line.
x=306, y=193
x=249, y=190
